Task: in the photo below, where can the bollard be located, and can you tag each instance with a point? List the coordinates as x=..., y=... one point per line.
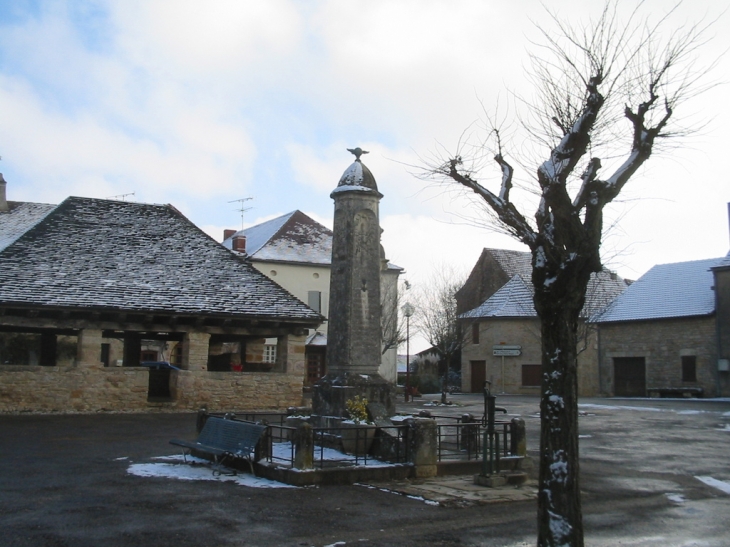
x=518, y=437
x=304, y=446
x=424, y=446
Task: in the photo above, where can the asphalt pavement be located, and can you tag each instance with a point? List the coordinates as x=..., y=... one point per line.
x=653, y=473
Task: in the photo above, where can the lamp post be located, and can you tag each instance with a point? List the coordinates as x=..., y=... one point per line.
x=408, y=310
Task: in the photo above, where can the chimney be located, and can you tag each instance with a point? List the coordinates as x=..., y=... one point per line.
x=4, y=208
x=228, y=233
x=239, y=243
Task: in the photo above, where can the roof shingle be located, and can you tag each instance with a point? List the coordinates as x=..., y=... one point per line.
x=101, y=254
x=683, y=289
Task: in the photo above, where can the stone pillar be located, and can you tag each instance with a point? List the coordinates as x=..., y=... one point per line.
x=88, y=348
x=290, y=355
x=195, y=351
x=354, y=327
x=424, y=444
x=304, y=447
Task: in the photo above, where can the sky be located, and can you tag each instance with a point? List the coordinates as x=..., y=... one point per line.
x=199, y=104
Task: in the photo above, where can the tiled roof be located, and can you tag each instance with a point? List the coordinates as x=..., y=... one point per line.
x=113, y=255
x=294, y=237
x=514, y=299
x=666, y=291
x=514, y=262
x=19, y=219
x=723, y=263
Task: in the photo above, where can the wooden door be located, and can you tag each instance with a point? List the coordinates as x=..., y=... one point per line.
x=478, y=375
x=629, y=376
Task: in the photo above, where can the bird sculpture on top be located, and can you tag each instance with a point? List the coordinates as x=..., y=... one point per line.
x=358, y=152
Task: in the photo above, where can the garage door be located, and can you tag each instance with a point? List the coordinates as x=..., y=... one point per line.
x=629, y=374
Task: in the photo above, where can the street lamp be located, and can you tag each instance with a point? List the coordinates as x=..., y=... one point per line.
x=408, y=310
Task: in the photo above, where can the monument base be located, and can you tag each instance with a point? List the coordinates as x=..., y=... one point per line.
x=331, y=393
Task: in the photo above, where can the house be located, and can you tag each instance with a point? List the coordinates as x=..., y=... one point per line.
x=668, y=333
x=296, y=252
x=502, y=331
x=91, y=289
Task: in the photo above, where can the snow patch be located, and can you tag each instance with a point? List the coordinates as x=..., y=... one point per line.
x=676, y=498
x=723, y=486
x=187, y=472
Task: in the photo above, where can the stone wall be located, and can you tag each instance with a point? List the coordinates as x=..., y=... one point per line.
x=225, y=391
x=662, y=344
x=72, y=389
x=90, y=389
x=524, y=333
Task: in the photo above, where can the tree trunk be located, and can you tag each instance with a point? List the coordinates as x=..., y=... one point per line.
x=559, y=508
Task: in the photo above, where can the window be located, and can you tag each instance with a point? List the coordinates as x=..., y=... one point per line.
x=314, y=300
x=689, y=368
x=475, y=333
x=531, y=375
x=270, y=350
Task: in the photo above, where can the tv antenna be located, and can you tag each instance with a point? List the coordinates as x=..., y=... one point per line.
x=121, y=197
x=242, y=209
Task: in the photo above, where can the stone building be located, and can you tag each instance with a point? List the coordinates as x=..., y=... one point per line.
x=668, y=333
x=90, y=288
x=296, y=251
x=502, y=331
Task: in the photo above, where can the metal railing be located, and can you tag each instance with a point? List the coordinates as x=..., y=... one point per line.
x=458, y=440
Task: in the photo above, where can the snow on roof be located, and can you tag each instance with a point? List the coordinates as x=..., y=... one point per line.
x=357, y=177
x=294, y=237
x=513, y=262
x=683, y=289
x=21, y=217
x=724, y=263
x=514, y=299
x=257, y=236
x=316, y=339
x=102, y=254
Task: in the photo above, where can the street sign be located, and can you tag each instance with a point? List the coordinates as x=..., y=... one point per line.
x=506, y=351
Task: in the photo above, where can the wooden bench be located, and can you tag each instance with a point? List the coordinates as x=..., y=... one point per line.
x=225, y=439
x=675, y=392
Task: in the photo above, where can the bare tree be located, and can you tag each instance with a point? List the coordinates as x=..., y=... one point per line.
x=437, y=319
x=606, y=91
x=392, y=325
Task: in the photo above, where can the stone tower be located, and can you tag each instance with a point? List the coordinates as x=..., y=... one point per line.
x=354, y=330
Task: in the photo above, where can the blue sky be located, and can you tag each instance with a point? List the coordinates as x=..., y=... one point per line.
x=200, y=103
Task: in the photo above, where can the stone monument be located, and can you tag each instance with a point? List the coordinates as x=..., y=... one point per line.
x=354, y=330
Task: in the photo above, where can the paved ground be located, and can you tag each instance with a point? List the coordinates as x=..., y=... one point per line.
x=64, y=480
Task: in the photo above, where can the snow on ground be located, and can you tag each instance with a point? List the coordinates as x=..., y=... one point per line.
x=720, y=485
x=283, y=451
x=389, y=491
x=173, y=467
x=619, y=407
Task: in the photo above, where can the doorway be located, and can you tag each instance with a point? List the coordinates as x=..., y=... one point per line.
x=629, y=376
x=478, y=375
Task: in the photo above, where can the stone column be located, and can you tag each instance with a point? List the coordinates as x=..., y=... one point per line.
x=195, y=351
x=424, y=443
x=354, y=327
x=290, y=355
x=88, y=348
